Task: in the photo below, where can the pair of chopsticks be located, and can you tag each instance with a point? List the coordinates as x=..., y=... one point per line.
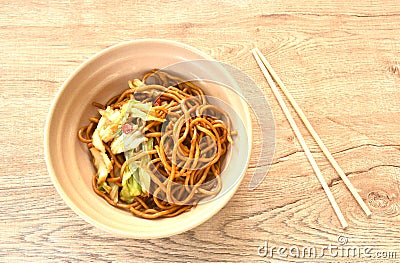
x=270, y=75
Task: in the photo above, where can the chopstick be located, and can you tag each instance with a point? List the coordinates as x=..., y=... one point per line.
x=316, y=137
x=300, y=137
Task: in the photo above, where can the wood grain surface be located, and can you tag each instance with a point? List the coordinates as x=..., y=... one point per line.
x=339, y=59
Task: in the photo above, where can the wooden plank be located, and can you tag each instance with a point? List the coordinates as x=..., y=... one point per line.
x=340, y=61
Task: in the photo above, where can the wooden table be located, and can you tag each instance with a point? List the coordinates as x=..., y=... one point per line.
x=340, y=60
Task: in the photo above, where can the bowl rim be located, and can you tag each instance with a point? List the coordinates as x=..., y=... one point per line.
x=52, y=173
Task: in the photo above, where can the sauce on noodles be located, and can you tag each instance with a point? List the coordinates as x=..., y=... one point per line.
x=157, y=147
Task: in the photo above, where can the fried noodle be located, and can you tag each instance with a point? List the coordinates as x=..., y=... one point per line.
x=188, y=148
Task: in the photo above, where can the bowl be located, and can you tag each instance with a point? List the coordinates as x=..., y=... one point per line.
x=97, y=79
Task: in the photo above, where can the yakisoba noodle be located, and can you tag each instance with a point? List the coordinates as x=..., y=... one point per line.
x=186, y=139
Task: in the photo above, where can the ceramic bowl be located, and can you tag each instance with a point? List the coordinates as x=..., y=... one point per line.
x=102, y=76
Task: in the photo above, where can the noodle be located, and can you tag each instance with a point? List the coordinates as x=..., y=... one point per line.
x=188, y=148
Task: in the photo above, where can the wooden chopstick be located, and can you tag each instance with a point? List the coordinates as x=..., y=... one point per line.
x=296, y=130
x=314, y=134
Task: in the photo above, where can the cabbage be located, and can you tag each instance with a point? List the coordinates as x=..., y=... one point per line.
x=145, y=111
x=146, y=116
x=97, y=142
x=102, y=163
x=114, y=192
x=135, y=109
x=108, y=123
x=136, y=178
x=130, y=187
x=111, y=121
x=144, y=176
x=125, y=142
x=136, y=83
x=104, y=187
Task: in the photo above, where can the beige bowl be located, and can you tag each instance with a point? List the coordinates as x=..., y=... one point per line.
x=97, y=79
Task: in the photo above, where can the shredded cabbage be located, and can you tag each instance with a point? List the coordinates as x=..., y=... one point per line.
x=126, y=142
x=111, y=121
x=108, y=123
x=102, y=163
x=144, y=176
x=136, y=178
x=104, y=187
x=145, y=111
x=97, y=142
x=141, y=166
x=114, y=192
x=130, y=187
